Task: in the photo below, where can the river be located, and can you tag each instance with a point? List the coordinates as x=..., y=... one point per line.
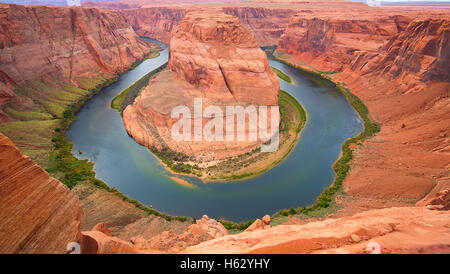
x=129, y=167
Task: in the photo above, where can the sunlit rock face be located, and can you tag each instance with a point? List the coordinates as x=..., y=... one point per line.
x=39, y=214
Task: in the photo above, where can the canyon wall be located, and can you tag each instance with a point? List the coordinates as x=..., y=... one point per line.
x=63, y=44
x=397, y=66
x=39, y=214
x=266, y=24
x=212, y=56
x=154, y=22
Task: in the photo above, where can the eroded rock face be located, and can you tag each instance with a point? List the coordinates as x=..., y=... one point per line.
x=49, y=43
x=38, y=213
x=213, y=57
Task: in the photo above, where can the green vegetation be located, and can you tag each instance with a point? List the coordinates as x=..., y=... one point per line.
x=32, y=129
x=341, y=166
x=284, y=100
x=126, y=97
x=282, y=75
x=236, y=227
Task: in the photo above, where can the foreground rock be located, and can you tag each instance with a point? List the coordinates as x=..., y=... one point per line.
x=97, y=242
x=211, y=57
x=38, y=213
x=392, y=230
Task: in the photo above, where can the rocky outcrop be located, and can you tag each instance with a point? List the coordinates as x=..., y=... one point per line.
x=392, y=230
x=203, y=230
x=213, y=57
x=39, y=214
x=397, y=70
x=68, y=44
x=263, y=223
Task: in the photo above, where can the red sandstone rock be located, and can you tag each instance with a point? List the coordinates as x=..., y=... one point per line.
x=38, y=213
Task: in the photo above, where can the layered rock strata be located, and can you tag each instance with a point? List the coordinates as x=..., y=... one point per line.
x=39, y=214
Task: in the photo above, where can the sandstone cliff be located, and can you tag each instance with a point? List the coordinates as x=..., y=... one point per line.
x=397, y=69
x=39, y=214
x=68, y=44
x=212, y=56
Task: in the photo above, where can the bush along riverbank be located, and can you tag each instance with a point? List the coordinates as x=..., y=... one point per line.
x=126, y=97
x=282, y=75
x=341, y=166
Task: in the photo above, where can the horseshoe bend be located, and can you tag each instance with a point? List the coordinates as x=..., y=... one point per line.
x=243, y=127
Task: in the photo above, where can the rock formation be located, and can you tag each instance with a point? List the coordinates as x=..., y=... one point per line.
x=97, y=242
x=265, y=23
x=260, y=224
x=39, y=214
x=211, y=57
x=68, y=44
